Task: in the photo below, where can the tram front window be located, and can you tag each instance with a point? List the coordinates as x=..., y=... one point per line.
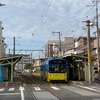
x=58, y=66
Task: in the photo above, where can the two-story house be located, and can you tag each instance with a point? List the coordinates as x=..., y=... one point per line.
x=37, y=63
x=81, y=44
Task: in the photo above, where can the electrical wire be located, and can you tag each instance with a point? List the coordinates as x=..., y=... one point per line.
x=90, y=12
x=43, y=16
x=10, y=26
x=37, y=27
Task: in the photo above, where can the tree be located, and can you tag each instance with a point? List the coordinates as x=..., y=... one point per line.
x=28, y=66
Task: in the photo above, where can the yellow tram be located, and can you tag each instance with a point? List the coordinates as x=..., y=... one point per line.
x=54, y=69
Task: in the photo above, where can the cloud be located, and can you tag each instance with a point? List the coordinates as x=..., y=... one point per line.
x=21, y=18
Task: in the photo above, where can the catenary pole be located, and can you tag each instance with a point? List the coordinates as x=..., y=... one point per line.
x=14, y=45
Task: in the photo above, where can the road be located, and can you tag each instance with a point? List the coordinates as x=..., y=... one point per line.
x=51, y=92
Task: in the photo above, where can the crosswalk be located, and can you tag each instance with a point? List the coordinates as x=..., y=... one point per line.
x=79, y=89
x=92, y=88
x=2, y=89
x=82, y=91
x=35, y=88
x=9, y=89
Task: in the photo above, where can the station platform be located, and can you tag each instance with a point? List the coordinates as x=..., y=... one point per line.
x=16, y=82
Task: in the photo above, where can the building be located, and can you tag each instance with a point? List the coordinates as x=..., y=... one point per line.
x=95, y=52
x=53, y=47
x=81, y=48
x=26, y=58
x=37, y=63
x=67, y=44
x=71, y=45
x=81, y=44
x=2, y=43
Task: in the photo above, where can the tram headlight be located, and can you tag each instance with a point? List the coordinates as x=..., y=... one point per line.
x=52, y=75
x=62, y=74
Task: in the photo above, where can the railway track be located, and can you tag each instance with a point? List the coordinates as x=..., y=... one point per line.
x=27, y=81
x=32, y=80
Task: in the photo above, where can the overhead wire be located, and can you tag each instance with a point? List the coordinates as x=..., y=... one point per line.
x=6, y=20
x=7, y=23
x=41, y=18
x=78, y=26
x=90, y=12
x=11, y=28
x=37, y=27
x=39, y=23
x=43, y=15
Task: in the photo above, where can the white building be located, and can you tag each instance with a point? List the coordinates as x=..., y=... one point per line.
x=52, y=48
x=26, y=58
x=2, y=44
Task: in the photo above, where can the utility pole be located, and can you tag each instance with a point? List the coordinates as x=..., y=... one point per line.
x=32, y=63
x=59, y=41
x=97, y=28
x=89, y=52
x=14, y=45
x=9, y=52
x=48, y=50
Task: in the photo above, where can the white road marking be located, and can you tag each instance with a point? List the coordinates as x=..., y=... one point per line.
x=55, y=88
x=44, y=96
x=22, y=93
x=89, y=88
x=93, y=86
x=37, y=88
x=9, y=93
x=11, y=89
x=1, y=89
x=96, y=87
x=80, y=91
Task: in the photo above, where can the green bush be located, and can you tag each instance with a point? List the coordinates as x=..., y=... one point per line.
x=28, y=66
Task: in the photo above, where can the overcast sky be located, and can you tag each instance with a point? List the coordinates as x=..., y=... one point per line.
x=33, y=21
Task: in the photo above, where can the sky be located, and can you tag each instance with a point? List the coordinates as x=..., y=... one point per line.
x=32, y=22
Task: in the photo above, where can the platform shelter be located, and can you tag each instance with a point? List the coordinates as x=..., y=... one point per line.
x=78, y=67
x=8, y=63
